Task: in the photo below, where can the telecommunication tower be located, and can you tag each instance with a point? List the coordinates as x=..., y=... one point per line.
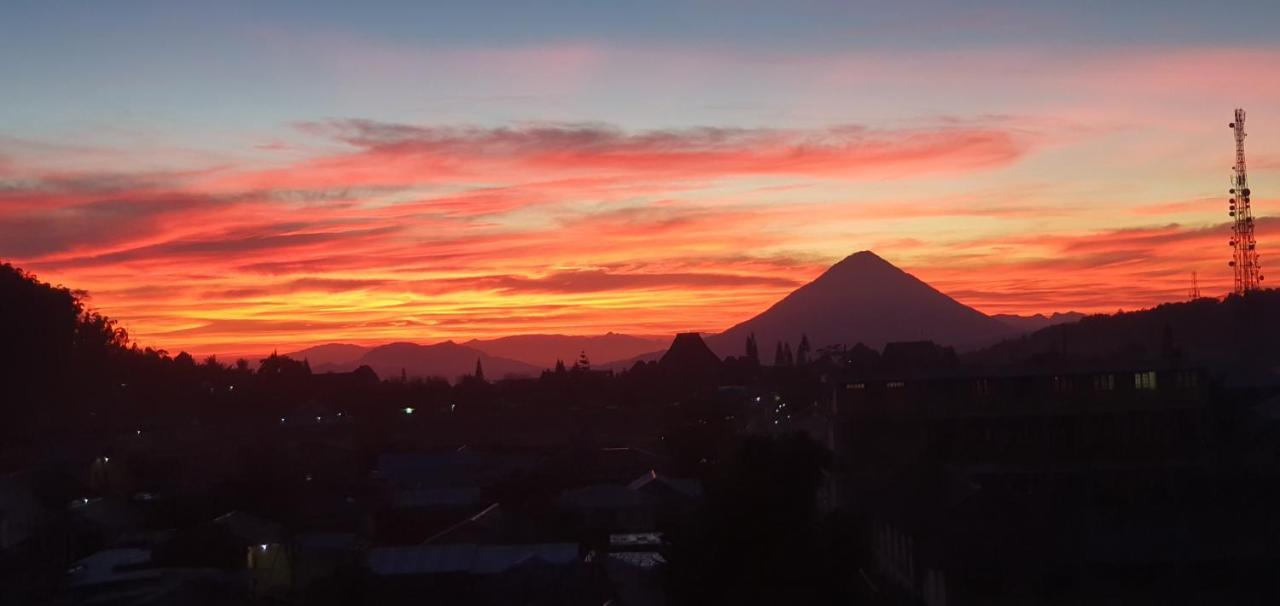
x=1244, y=260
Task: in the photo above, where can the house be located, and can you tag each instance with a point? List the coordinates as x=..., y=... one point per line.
x=128, y=577
x=268, y=551
x=634, y=564
x=20, y=513
x=611, y=507
x=467, y=573
x=635, y=507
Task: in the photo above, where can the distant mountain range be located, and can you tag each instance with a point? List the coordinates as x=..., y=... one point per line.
x=1033, y=323
x=861, y=299
x=544, y=350
x=447, y=360
x=519, y=355
x=329, y=354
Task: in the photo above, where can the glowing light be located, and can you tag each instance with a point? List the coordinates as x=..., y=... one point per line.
x=408, y=410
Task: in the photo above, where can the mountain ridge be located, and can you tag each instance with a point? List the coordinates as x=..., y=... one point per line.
x=860, y=299
x=1034, y=322
x=448, y=360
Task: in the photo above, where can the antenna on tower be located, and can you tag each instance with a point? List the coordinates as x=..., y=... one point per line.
x=1244, y=258
x=1195, y=287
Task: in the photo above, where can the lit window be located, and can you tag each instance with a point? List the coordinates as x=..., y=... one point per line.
x=894, y=384
x=1144, y=380
x=856, y=386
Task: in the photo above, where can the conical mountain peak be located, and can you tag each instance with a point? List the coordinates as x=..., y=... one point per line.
x=863, y=256
x=863, y=298
x=863, y=262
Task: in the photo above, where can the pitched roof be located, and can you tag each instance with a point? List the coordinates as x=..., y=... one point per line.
x=466, y=558
x=602, y=496
x=487, y=518
x=684, y=486
x=689, y=352
x=250, y=528
x=436, y=497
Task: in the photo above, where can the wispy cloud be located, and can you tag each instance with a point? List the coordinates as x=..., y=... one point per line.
x=371, y=230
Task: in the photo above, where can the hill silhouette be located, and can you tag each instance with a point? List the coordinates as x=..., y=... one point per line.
x=329, y=354
x=1035, y=322
x=864, y=298
x=1238, y=333
x=448, y=360
x=541, y=351
x=544, y=350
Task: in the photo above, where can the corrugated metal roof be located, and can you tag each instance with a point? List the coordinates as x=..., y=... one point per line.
x=635, y=539
x=639, y=559
x=685, y=486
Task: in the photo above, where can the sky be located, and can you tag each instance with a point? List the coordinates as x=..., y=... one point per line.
x=234, y=177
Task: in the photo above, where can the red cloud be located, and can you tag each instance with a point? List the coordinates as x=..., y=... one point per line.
x=428, y=232
x=390, y=155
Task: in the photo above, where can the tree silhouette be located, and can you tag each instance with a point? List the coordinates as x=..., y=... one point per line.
x=803, y=351
x=779, y=357
x=583, y=364
x=276, y=365
x=53, y=350
x=753, y=352
x=479, y=374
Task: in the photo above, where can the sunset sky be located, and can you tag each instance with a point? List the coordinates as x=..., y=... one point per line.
x=238, y=177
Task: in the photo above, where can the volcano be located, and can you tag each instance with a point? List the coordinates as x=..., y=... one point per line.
x=864, y=299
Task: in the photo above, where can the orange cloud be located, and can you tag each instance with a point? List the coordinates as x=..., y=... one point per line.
x=1092, y=271
x=426, y=233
